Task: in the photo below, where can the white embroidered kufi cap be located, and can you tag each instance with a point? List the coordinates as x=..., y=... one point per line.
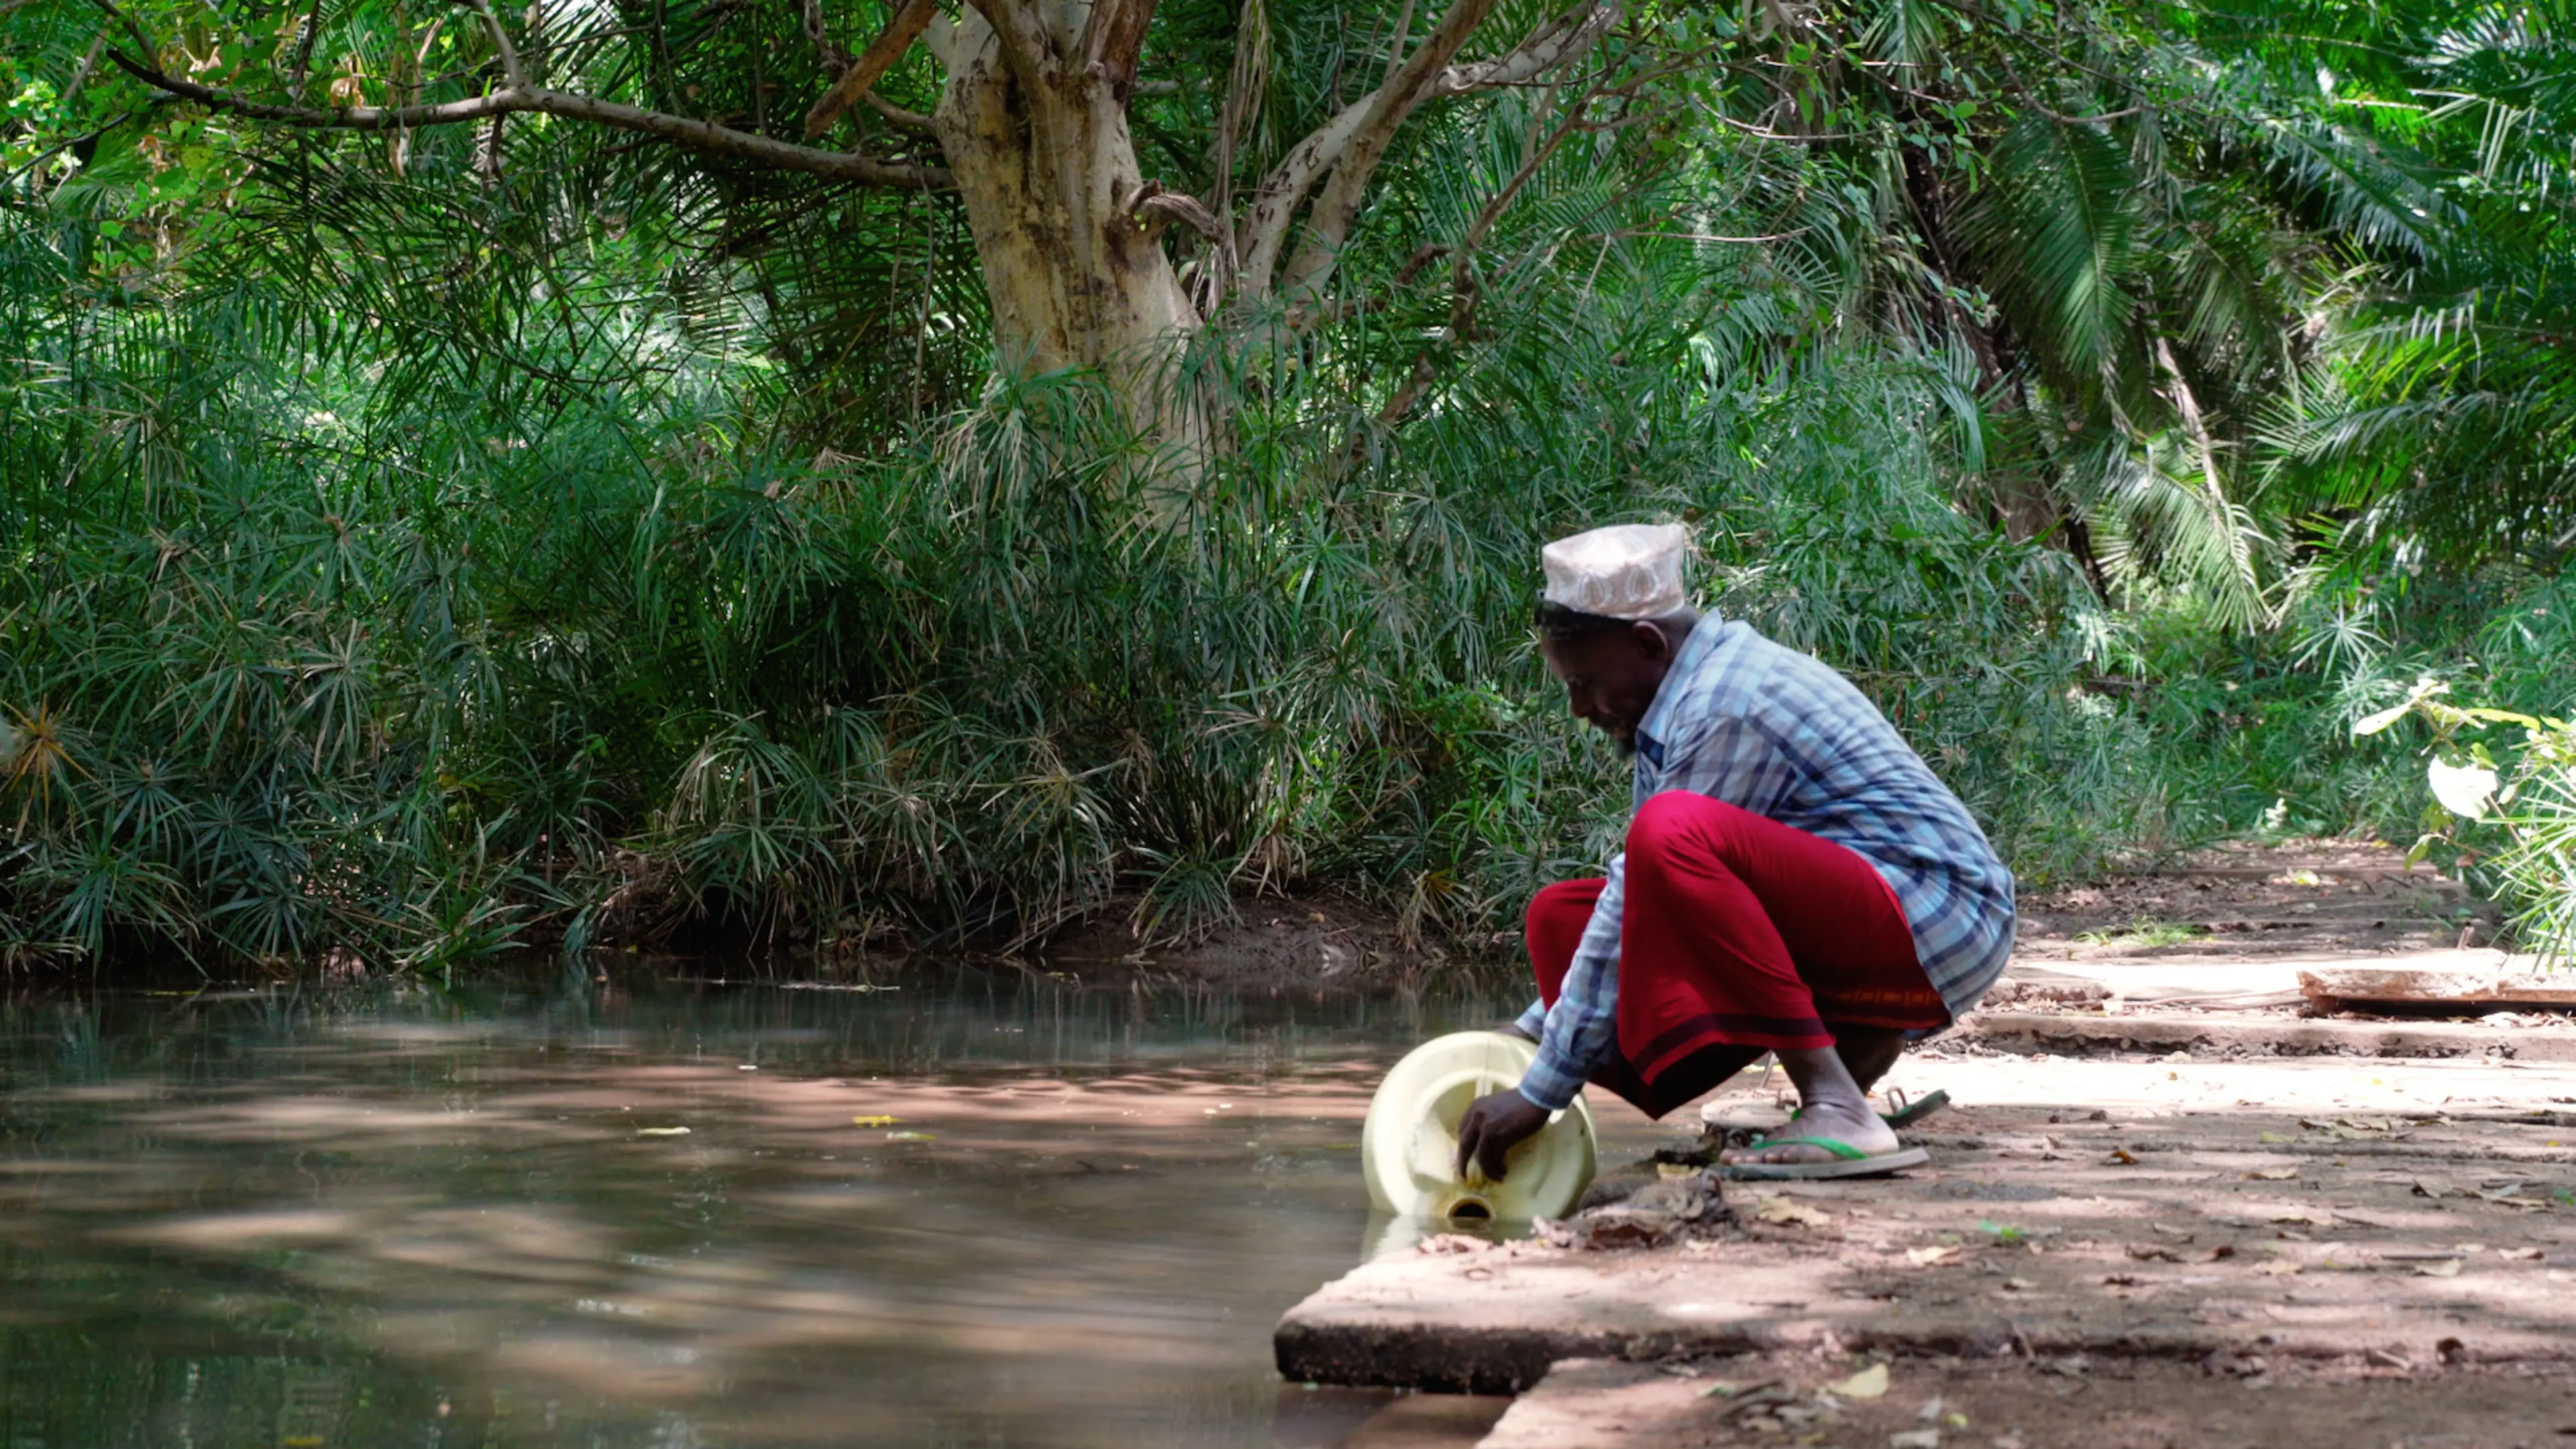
x=1628, y=571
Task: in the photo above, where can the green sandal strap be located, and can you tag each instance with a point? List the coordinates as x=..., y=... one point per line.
x=1843, y=1150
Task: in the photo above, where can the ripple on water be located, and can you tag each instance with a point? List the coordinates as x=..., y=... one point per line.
x=387, y=1218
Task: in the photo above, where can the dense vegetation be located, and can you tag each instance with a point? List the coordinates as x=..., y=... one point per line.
x=431, y=537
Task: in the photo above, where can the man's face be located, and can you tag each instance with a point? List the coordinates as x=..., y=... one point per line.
x=1611, y=678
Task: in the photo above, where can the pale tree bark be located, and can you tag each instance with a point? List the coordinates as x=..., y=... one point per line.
x=1032, y=120
x=1036, y=134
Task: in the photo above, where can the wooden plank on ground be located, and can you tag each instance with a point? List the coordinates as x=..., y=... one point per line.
x=2403, y=987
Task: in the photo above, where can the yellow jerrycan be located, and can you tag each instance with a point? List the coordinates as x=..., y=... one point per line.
x=1409, y=1144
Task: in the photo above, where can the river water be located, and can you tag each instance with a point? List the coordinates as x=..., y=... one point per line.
x=673, y=1211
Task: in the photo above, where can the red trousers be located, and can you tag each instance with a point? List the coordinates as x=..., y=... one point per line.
x=1738, y=935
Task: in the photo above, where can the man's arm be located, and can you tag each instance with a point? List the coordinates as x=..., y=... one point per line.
x=1582, y=1029
x=1574, y=1036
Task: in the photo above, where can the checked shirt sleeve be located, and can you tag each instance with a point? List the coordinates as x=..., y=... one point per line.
x=1583, y=1026
x=1533, y=1021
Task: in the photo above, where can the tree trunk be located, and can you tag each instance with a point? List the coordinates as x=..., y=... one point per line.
x=1048, y=174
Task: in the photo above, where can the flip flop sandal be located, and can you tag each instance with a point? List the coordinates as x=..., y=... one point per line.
x=1848, y=1161
x=1910, y=1110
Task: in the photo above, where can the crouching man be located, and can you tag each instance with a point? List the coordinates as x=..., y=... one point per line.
x=1795, y=881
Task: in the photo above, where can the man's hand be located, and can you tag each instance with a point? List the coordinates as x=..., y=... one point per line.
x=1495, y=1123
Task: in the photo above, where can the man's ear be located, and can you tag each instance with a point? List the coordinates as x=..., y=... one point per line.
x=1650, y=639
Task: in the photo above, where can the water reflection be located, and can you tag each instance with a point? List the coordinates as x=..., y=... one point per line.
x=673, y=1214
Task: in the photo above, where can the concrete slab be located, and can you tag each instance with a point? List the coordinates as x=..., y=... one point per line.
x=2308, y=1210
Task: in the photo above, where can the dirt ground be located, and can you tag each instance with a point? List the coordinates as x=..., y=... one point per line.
x=2167, y=1209
x=2300, y=897
x=2105, y=1404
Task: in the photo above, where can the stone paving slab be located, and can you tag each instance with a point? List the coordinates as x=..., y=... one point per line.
x=2292, y=1209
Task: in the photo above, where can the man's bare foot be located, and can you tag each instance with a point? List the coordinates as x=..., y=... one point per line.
x=1850, y=1123
x=1831, y=1105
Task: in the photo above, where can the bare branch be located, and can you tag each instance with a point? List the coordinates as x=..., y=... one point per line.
x=1350, y=145
x=686, y=131
x=487, y=154
x=871, y=66
x=1403, y=37
x=1464, y=292
x=899, y=118
x=1551, y=45
x=510, y=68
x=1151, y=200
x=835, y=59
x=1245, y=83
x=1027, y=47
x=1113, y=38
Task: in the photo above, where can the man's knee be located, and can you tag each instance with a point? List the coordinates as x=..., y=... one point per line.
x=1555, y=902
x=1668, y=819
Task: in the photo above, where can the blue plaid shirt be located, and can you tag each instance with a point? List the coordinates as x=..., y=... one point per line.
x=1765, y=728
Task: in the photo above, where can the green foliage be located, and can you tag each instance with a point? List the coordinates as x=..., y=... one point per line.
x=2528, y=798
x=305, y=660
x=419, y=543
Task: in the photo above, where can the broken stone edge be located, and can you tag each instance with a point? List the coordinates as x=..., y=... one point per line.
x=1442, y=1358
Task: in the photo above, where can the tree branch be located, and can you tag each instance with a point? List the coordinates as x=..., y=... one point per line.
x=1245, y=81
x=1351, y=144
x=511, y=71
x=872, y=64
x=835, y=59
x=1151, y=205
x=1026, y=45
x=1464, y=292
x=1328, y=223
x=1113, y=38
x=686, y=131
x=899, y=118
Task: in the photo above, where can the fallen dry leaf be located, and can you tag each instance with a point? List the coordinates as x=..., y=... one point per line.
x=2018, y=1285
x=2525, y=1255
x=2448, y=1268
x=2122, y=1157
x=874, y=1121
x=1779, y=1208
x=2151, y=1253
x=2272, y=1174
x=2281, y=1267
x=1925, y=1257
x=1869, y=1383
x=661, y=1131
